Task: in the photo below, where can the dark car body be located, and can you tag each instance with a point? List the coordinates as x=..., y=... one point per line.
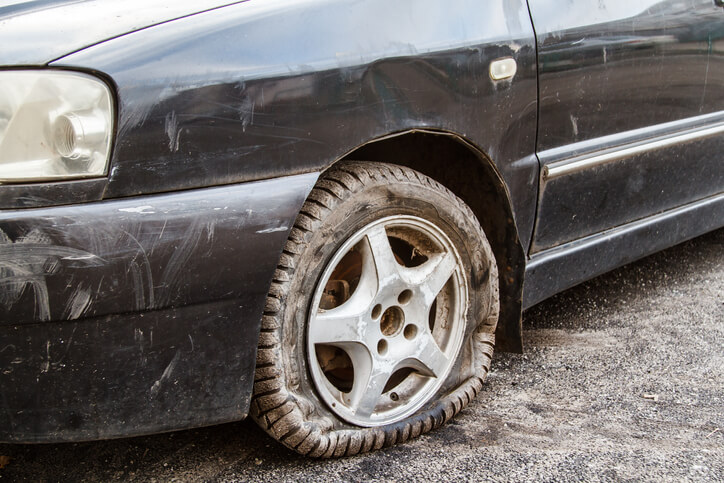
x=131, y=303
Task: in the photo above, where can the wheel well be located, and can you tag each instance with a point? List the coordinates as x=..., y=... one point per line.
x=472, y=176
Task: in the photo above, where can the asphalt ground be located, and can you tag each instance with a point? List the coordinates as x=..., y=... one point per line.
x=622, y=380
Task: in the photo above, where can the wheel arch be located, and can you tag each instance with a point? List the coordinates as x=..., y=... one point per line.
x=470, y=174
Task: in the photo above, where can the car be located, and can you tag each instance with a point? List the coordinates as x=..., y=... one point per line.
x=326, y=214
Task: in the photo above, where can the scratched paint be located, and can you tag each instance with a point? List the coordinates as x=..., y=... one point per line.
x=117, y=257
x=246, y=112
x=172, y=131
x=78, y=303
x=26, y=262
x=190, y=241
x=272, y=230
x=156, y=387
x=144, y=210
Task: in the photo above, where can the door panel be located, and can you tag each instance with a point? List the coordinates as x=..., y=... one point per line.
x=631, y=111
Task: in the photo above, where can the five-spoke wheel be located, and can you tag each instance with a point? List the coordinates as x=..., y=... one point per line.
x=387, y=320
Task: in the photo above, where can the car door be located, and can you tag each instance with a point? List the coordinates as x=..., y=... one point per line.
x=631, y=111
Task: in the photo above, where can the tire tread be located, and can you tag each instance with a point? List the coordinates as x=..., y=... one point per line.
x=282, y=415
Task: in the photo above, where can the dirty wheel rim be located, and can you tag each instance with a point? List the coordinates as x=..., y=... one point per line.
x=387, y=321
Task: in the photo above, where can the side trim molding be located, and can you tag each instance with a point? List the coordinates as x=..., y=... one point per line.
x=579, y=163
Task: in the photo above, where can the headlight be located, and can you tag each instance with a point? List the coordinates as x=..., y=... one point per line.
x=53, y=126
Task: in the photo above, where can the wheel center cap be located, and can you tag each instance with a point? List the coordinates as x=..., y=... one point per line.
x=392, y=321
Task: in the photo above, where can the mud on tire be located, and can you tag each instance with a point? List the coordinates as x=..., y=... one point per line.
x=368, y=343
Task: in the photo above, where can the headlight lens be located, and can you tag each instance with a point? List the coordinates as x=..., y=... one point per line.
x=53, y=125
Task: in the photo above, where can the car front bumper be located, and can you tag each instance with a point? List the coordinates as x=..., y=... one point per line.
x=138, y=315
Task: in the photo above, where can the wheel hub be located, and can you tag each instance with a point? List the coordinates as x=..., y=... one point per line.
x=392, y=321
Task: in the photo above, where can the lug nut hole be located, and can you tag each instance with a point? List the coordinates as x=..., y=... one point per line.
x=382, y=347
x=410, y=332
x=404, y=297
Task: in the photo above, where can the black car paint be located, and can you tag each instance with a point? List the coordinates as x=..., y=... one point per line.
x=610, y=78
x=50, y=29
x=290, y=101
x=256, y=102
x=161, y=251
x=137, y=315
x=222, y=98
x=563, y=267
x=126, y=374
